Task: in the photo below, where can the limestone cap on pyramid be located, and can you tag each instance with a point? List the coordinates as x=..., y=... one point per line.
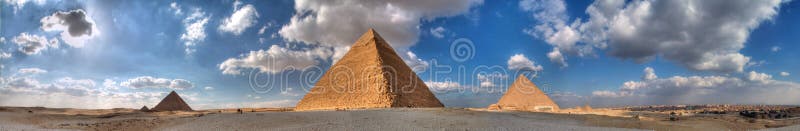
x=173, y=102
x=524, y=95
x=370, y=75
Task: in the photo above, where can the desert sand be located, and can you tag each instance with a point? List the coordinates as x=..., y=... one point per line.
x=18, y=118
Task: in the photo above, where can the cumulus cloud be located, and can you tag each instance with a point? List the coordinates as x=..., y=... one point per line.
x=520, y=62
x=649, y=74
x=195, y=31
x=241, y=19
x=557, y=58
x=443, y=86
x=337, y=24
x=33, y=44
x=751, y=88
x=68, y=92
x=784, y=73
x=208, y=88
x=488, y=80
x=274, y=60
x=438, y=32
x=75, y=26
x=152, y=82
x=700, y=35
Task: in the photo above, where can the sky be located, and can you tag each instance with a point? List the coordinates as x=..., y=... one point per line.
x=249, y=53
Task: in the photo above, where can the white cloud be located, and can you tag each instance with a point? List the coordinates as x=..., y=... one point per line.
x=438, y=32
x=643, y=29
x=488, y=80
x=274, y=60
x=67, y=92
x=109, y=84
x=557, y=58
x=755, y=76
x=262, y=30
x=33, y=44
x=445, y=86
x=208, y=88
x=751, y=88
x=649, y=74
x=76, y=26
x=31, y=71
x=520, y=62
x=19, y=4
x=337, y=24
x=414, y=62
x=253, y=96
x=784, y=74
x=5, y=55
x=175, y=7
x=195, y=31
x=240, y=20
x=289, y=92
x=152, y=82
x=775, y=49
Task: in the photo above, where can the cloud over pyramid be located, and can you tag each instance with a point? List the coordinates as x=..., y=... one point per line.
x=370, y=75
x=524, y=95
x=172, y=102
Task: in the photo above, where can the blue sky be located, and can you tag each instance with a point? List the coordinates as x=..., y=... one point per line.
x=107, y=54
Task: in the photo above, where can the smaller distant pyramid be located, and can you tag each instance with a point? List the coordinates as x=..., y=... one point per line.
x=587, y=107
x=525, y=96
x=172, y=102
x=144, y=109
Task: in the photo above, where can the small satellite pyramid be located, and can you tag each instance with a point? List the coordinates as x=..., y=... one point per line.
x=172, y=102
x=370, y=75
x=144, y=109
x=525, y=96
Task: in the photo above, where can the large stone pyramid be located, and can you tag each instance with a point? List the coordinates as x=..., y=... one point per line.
x=172, y=102
x=370, y=75
x=524, y=95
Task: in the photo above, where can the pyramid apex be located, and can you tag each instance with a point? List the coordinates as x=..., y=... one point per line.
x=521, y=76
x=372, y=33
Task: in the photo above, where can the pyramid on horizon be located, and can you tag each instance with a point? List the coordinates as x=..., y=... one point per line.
x=144, y=109
x=525, y=96
x=172, y=102
x=370, y=75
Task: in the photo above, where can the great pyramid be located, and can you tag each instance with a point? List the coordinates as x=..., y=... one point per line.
x=525, y=96
x=172, y=102
x=370, y=75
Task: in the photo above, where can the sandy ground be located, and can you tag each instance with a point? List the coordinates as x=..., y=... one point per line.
x=18, y=118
